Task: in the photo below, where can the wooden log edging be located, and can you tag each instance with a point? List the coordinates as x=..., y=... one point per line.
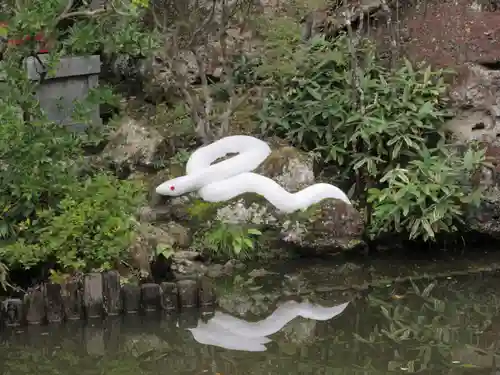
x=98, y=295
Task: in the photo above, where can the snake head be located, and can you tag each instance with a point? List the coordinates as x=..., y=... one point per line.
x=175, y=187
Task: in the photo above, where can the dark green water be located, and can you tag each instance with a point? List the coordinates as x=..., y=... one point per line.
x=446, y=326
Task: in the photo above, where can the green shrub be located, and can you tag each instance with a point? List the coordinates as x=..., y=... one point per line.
x=317, y=108
x=39, y=166
x=46, y=197
x=374, y=123
x=281, y=37
x=91, y=227
x=428, y=196
x=219, y=239
x=230, y=241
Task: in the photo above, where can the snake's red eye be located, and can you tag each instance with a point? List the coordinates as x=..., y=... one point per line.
x=172, y=187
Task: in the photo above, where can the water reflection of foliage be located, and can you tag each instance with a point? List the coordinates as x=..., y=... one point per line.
x=424, y=328
x=400, y=329
x=427, y=328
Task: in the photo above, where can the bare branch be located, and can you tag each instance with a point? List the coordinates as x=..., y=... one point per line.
x=232, y=107
x=207, y=96
x=199, y=27
x=159, y=24
x=84, y=13
x=205, y=23
x=200, y=123
x=67, y=8
x=19, y=5
x=79, y=13
x=392, y=32
x=234, y=102
x=178, y=66
x=354, y=61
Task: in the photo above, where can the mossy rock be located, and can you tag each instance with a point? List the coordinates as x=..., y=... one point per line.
x=277, y=161
x=289, y=167
x=134, y=144
x=327, y=227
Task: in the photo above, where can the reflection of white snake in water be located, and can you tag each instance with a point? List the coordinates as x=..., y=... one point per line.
x=232, y=177
x=228, y=332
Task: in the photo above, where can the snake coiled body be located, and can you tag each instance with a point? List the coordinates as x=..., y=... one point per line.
x=232, y=177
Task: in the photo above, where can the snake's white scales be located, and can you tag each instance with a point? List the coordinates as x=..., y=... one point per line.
x=232, y=177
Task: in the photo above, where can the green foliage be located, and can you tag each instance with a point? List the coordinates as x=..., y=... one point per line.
x=176, y=125
x=51, y=208
x=181, y=157
x=41, y=161
x=118, y=29
x=281, y=35
x=91, y=227
x=166, y=250
x=318, y=108
x=225, y=240
x=382, y=127
x=282, y=38
x=220, y=239
x=58, y=277
x=428, y=196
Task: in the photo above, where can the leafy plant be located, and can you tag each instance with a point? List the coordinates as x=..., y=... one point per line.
x=40, y=165
x=231, y=241
x=91, y=227
x=282, y=39
x=57, y=277
x=181, y=157
x=50, y=207
x=429, y=195
x=318, y=109
x=382, y=127
x=165, y=250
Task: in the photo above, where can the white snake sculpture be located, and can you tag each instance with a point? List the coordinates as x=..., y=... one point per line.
x=227, y=179
x=228, y=332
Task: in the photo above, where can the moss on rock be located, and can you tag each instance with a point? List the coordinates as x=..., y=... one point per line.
x=329, y=226
x=289, y=167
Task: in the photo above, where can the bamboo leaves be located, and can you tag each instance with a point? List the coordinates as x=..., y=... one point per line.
x=384, y=129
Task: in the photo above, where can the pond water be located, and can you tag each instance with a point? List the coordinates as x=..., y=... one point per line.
x=449, y=325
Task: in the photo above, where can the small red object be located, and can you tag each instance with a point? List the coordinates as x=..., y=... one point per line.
x=172, y=188
x=38, y=38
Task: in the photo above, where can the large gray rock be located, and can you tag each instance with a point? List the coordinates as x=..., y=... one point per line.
x=151, y=240
x=476, y=95
x=134, y=144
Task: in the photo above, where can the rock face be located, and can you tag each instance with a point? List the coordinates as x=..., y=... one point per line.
x=328, y=227
x=333, y=225
x=476, y=95
x=133, y=145
x=152, y=240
